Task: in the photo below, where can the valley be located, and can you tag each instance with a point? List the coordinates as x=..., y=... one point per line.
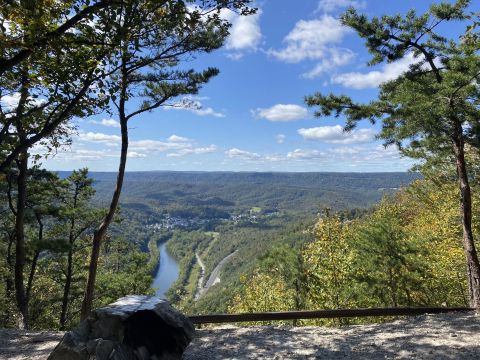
x=228, y=221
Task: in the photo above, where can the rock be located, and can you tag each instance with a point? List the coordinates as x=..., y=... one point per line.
x=70, y=348
x=92, y=345
x=104, y=349
x=134, y=327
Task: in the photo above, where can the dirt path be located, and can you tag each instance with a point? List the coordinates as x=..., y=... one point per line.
x=452, y=336
x=27, y=345
x=447, y=336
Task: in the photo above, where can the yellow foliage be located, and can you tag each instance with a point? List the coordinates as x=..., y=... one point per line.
x=263, y=292
x=326, y=262
x=436, y=222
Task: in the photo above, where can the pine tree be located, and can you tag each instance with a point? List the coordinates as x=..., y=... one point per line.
x=432, y=110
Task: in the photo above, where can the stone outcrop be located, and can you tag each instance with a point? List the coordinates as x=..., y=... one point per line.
x=134, y=327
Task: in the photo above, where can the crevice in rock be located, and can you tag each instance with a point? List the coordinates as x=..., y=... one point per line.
x=145, y=329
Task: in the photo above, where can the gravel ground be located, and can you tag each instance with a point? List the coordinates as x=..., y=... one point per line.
x=449, y=336
x=27, y=345
x=452, y=336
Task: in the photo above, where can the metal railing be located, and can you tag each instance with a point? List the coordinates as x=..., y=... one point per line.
x=321, y=314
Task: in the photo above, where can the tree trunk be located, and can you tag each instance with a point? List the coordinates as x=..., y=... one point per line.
x=9, y=282
x=473, y=266
x=66, y=289
x=20, y=252
x=100, y=232
x=33, y=268
x=35, y=257
x=68, y=278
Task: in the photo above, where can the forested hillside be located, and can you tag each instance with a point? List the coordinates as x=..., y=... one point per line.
x=405, y=253
x=215, y=214
x=209, y=195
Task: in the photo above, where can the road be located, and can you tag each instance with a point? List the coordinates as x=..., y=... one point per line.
x=214, y=276
x=200, y=291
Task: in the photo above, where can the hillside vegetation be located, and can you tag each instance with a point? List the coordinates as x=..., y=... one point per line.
x=406, y=252
x=215, y=214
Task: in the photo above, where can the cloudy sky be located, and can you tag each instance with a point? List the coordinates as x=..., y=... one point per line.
x=252, y=117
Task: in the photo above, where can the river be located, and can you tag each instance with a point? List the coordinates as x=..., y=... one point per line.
x=167, y=272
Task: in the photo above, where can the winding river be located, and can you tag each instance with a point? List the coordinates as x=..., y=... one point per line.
x=167, y=272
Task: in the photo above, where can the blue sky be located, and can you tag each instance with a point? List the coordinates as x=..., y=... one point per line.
x=252, y=117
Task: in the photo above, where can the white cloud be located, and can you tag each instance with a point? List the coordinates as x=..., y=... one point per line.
x=235, y=56
x=205, y=150
x=369, y=157
x=176, y=138
x=157, y=146
x=280, y=138
x=86, y=154
x=194, y=151
x=300, y=154
x=245, y=33
x=208, y=111
x=282, y=112
x=78, y=153
x=273, y=158
x=110, y=140
x=346, y=151
x=134, y=154
x=10, y=102
x=242, y=154
x=315, y=40
x=336, y=135
x=106, y=122
x=373, y=79
x=175, y=146
x=375, y=158
x=329, y=6
x=309, y=38
x=194, y=105
x=337, y=57
x=253, y=157
x=384, y=154
x=174, y=143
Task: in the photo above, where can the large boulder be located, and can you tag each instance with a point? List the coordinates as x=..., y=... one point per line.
x=134, y=327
